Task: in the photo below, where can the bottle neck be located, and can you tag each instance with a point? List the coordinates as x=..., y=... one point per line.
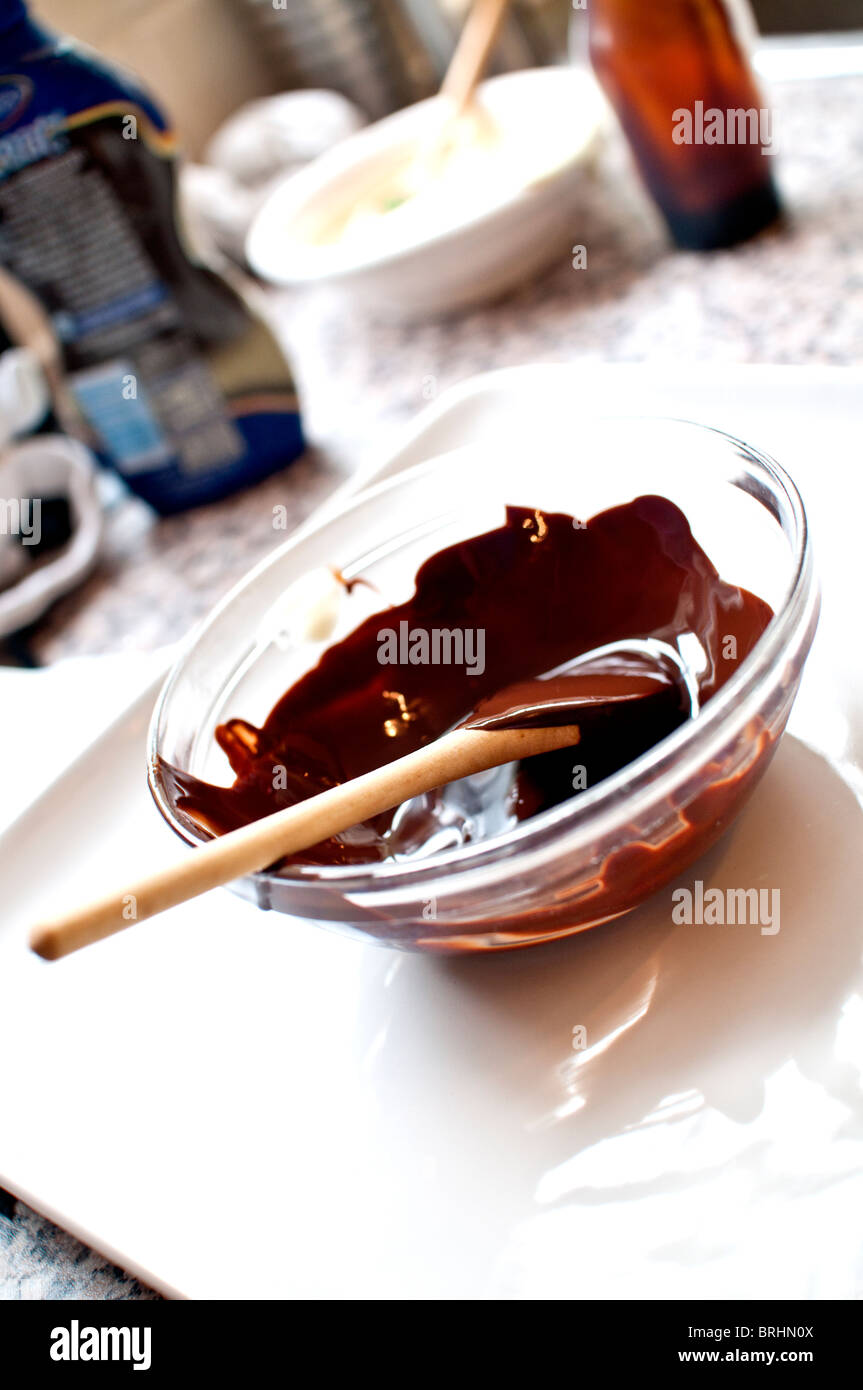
x=692, y=27
x=645, y=20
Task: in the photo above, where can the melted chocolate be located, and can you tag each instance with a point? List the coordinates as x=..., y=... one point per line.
x=542, y=590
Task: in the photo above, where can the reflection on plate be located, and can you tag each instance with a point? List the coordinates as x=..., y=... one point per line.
x=713, y=1121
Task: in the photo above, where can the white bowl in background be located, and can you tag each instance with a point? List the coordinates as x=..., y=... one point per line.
x=484, y=247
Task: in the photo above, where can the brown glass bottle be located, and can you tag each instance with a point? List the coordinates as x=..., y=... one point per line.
x=671, y=70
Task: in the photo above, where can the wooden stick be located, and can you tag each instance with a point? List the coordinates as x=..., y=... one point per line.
x=472, y=52
x=263, y=842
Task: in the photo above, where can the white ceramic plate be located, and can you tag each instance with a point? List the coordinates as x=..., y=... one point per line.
x=235, y=1104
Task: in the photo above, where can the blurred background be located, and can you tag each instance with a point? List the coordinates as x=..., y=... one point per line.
x=331, y=341
x=380, y=53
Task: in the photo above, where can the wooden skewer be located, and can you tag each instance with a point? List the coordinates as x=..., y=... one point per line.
x=472, y=52
x=263, y=842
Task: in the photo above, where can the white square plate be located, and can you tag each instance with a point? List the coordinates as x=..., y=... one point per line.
x=235, y=1104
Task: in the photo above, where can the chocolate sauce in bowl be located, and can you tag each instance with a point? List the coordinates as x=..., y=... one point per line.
x=492, y=636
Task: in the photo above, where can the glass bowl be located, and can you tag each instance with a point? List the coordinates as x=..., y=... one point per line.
x=600, y=854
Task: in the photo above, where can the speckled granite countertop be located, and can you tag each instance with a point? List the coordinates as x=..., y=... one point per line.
x=794, y=295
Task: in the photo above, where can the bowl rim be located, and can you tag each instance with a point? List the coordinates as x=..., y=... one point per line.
x=292, y=195
x=648, y=778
